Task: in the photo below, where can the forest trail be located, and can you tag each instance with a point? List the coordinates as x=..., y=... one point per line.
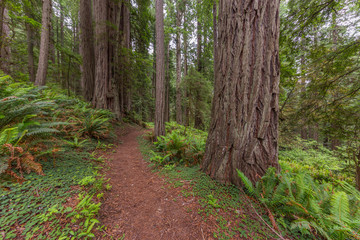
x=140, y=205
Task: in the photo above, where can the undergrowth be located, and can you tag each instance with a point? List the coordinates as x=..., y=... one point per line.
x=223, y=203
x=50, y=187
x=312, y=198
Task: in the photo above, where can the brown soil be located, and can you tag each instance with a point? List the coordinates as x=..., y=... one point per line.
x=140, y=205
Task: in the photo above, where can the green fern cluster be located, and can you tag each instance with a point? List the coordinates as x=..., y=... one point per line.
x=313, y=209
x=24, y=119
x=181, y=144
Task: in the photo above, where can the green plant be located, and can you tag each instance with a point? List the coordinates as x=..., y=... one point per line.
x=313, y=208
x=76, y=143
x=96, y=123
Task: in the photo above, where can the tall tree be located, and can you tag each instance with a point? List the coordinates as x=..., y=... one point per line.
x=101, y=54
x=160, y=70
x=87, y=50
x=30, y=41
x=178, y=62
x=244, y=125
x=44, y=44
x=198, y=119
x=5, y=50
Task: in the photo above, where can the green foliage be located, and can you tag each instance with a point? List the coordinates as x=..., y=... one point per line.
x=323, y=164
x=198, y=97
x=21, y=203
x=313, y=208
x=96, y=123
x=181, y=145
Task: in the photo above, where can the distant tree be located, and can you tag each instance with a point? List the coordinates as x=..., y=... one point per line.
x=44, y=44
x=30, y=34
x=160, y=70
x=179, y=14
x=244, y=126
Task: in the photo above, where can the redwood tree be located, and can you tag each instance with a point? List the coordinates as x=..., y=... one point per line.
x=44, y=44
x=160, y=70
x=244, y=127
x=101, y=54
x=87, y=50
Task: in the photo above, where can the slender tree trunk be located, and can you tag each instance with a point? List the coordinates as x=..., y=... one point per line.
x=178, y=65
x=185, y=37
x=44, y=44
x=87, y=50
x=167, y=84
x=160, y=71
x=101, y=54
x=244, y=127
x=198, y=122
x=357, y=166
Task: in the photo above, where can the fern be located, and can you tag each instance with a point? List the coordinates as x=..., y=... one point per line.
x=340, y=207
x=247, y=183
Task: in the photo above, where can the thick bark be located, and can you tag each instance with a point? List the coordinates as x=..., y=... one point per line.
x=160, y=71
x=87, y=50
x=244, y=127
x=125, y=30
x=30, y=46
x=5, y=41
x=178, y=65
x=101, y=54
x=44, y=44
x=215, y=35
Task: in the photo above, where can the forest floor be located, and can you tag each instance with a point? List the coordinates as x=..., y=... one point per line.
x=144, y=204
x=140, y=205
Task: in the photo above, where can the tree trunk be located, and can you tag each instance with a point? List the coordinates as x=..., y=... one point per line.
x=125, y=57
x=30, y=46
x=178, y=65
x=44, y=44
x=87, y=50
x=5, y=41
x=244, y=127
x=160, y=71
x=198, y=121
x=101, y=54
x=167, y=84
x=185, y=36
x=62, y=54
x=215, y=35
x=357, y=165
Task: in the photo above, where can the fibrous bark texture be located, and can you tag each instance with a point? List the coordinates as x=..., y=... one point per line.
x=87, y=50
x=160, y=71
x=101, y=54
x=244, y=129
x=30, y=48
x=44, y=44
x=5, y=50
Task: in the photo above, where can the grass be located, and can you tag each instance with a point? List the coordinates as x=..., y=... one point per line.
x=227, y=205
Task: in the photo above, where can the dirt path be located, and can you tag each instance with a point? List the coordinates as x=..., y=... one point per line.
x=139, y=205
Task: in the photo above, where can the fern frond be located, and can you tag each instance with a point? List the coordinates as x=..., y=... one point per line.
x=41, y=131
x=340, y=207
x=247, y=183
